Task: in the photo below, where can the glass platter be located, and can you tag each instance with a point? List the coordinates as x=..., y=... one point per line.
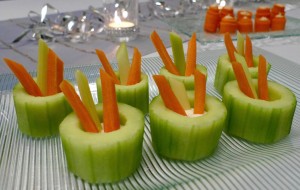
x=194, y=23
x=27, y=163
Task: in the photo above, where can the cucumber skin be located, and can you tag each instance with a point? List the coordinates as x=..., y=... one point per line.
x=39, y=116
x=259, y=121
x=104, y=157
x=188, y=81
x=136, y=95
x=182, y=138
x=225, y=73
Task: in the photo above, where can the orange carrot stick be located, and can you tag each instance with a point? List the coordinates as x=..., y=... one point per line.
x=111, y=118
x=135, y=69
x=167, y=95
x=191, y=56
x=161, y=49
x=263, y=93
x=242, y=79
x=200, y=92
x=85, y=119
x=106, y=65
x=60, y=72
x=24, y=77
x=229, y=46
x=248, y=52
x=51, y=73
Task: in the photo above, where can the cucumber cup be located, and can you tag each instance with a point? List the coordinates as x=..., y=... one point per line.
x=188, y=81
x=104, y=157
x=259, y=121
x=39, y=116
x=184, y=138
x=224, y=71
x=136, y=95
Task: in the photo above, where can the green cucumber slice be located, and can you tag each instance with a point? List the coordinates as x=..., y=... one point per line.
x=182, y=138
x=136, y=95
x=39, y=116
x=104, y=157
x=224, y=71
x=188, y=81
x=256, y=120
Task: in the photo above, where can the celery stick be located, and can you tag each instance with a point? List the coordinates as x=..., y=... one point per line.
x=240, y=44
x=86, y=97
x=178, y=53
x=180, y=93
x=123, y=63
x=42, y=66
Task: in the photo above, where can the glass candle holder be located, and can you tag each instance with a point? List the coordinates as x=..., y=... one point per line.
x=121, y=19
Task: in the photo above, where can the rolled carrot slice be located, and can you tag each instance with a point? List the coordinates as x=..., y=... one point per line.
x=263, y=11
x=278, y=22
x=111, y=118
x=228, y=24
x=262, y=24
x=82, y=113
x=262, y=85
x=24, y=77
x=276, y=9
x=161, y=49
x=244, y=13
x=212, y=19
x=226, y=10
x=245, y=25
x=167, y=95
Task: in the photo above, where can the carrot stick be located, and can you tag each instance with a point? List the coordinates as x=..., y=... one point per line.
x=161, y=49
x=229, y=46
x=111, y=118
x=248, y=52
x=51, y=73
x=106, y=65
x=200, y=92
x=24, y=77
x=242, y=79
x=60, y=72
x=135, y=69
x=168, y=97
x=78, y=107
x=191, y=56
x=263, y=93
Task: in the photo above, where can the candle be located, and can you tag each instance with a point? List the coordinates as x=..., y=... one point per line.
x=121, y=24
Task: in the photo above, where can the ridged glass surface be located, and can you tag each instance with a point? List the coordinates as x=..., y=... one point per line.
x=27, y=163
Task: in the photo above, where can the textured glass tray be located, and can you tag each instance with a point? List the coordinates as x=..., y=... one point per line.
x=194, y=23
x=27, y=163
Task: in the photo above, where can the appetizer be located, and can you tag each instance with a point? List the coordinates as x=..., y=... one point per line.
x=40, y=106
x=103, y=142
x=185, y=125
x=243, y=54
x=181, y=69
x=131, y=84
x=259, y=111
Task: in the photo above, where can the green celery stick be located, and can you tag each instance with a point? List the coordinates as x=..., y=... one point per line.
x=178, y=53
x=86, y=97
x=123, y=62
x=42, y=66
x=240, y=44
x=180, y=93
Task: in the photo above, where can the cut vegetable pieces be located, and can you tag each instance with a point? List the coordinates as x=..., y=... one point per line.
x=106, y=65
x=229, y=46
x=111, y=118
x=78, y=107
x=167, y=95
x=86, y=97
x=42, y=66
x=135, y=69
x=161, y=49
x=263, y=93
x=178, y=53
x=191, y=56
x=24, y=77
x=123, y=63
x=248, y=52
x=200, y=92
x=180, y=93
